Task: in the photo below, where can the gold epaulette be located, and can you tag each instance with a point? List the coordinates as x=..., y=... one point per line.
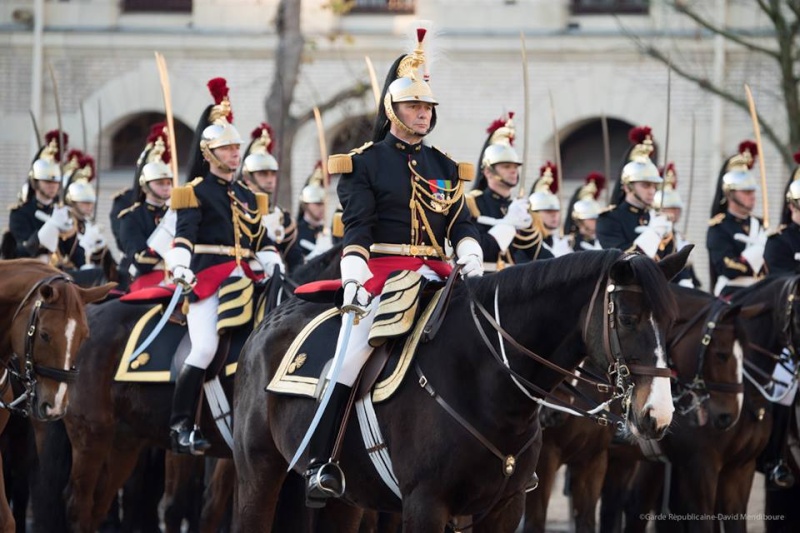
x=128, y=210
x=472, y=202
x=608, y=208
x=778, y=230
x=14, y=207
x=716, y=219
x=343, y=163
x=262, y=201
x=119, y=194
x=337, y=226
x=184, y=197
x=466, y=171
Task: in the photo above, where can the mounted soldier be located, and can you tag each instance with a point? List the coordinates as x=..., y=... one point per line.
x=735, y=238
x=583, y=211
x=260, y=173
x=669, y=201
x=219, y=232
x=497, y=215
x=37, y=222
x=139, y=222
x=87, y=247
x=782, y=251
x=312, y=239
x=542, y=239
x=403, y=202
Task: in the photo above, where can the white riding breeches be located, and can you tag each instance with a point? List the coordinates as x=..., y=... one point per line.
x=202, y=322
x=358, y=348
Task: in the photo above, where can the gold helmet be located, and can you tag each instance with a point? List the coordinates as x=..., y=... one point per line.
x=738, y=176
x=73, y=162
x=259, y=154
x=157, y=166
x=46, y=164
x=406, y=83
x=544, y=189
x=670, y=199
x=314, y=191
x=586, y=206
x=214, y=130
x=500, y=147
x=640, y=167
x=80, y=190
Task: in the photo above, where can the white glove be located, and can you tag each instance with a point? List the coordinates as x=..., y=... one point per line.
x=650, y=236
x=177, y=261
x=273, y=222
x=754, y=255
x=680, y=242
x=470, y=256
x=323, y=244
x=91, y=240
x=268, y=259
x=561, y=246
x=659, y=223
x=355, y=273
x=160, y=241
x=756, y=241
x=48, y=235
x=61, y=218
x=503, y=234
x=586, y=245
x=518, y=214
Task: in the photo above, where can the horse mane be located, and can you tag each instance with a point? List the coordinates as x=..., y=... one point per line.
x=562, y=273
x=318, y=266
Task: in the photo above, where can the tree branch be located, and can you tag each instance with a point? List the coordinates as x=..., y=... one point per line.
x=354, y=91
x=680, y=7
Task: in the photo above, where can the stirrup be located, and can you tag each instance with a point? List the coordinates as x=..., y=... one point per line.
x=532, y=483
x=197, y=443
x=781, y=476
x=316, y=489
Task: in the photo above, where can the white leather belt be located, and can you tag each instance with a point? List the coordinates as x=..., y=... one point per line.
x=219, y=249
x=413, y=250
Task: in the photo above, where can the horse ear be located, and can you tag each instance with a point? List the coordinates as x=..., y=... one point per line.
x=94, y=294
x=621, y=272
x=47, y=292
x=674, y=263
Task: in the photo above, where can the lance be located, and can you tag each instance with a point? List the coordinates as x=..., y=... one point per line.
x=666, y=138
x=376, y=90
x=323, y=154
x=526, y=99
x=99, y=154
x=691, y=181
x=83, y=129
x=163, y=76
x=61, y=147
x=557, y=143
x=761, y=165
x=606, y=152
x=39, y=141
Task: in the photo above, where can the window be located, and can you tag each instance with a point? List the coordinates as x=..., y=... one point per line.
x=632, y=7
x=157, y=6
x=393, y=7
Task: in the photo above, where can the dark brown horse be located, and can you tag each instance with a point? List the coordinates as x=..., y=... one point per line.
x=707, y=364
x=43, y=325
x=571, y=305
x=713, y=467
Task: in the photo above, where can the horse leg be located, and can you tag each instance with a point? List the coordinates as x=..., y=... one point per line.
x=504, y=517
x=90, y=451
x=586, y=482
x=536, y=501
x=647, y=485
x=119, y=467
x=180, y=469
x=218, y=495
x=7, y=523
x=422, y=512
x=694, y=486
x=733, y=492
x=620, y=471
x=337, y=516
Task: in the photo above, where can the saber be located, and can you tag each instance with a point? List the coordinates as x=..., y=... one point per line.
x=525, y=124
x=349, y=320
x=323, y=155
x=61, y=147
x=35, y=128
x=666, y=139
x=761, y=165
x=83, y=129
x=606, y=152
x=557, y=142
x=373, y=80
x=173, y=303
x=163, y=75
x=691, y=181
x=99, y=154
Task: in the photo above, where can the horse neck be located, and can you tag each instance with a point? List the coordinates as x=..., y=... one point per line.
x=688, y=308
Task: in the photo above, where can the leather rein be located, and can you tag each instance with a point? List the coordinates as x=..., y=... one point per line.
x=27, y=375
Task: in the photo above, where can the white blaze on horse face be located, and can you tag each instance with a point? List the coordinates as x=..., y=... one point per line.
x=61, y=393
x=659, y=401
x=738, y=353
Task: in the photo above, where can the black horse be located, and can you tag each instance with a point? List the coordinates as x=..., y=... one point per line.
x=594, y=303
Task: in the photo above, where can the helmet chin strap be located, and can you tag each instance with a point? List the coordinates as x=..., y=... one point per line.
x=636, y=195
x=499, y=178
x=208, y=153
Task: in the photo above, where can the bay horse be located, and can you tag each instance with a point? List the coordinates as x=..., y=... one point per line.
x=43, y=325
x=443, y=468
x=704, y=349
x=713, y=467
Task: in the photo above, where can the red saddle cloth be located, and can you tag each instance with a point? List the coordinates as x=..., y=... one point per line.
x=321, y=292
x=154, y=294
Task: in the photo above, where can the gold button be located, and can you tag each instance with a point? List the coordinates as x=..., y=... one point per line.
x=413, y=162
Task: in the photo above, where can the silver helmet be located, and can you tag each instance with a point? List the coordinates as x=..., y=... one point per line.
x=738, y=177
x=80, y=190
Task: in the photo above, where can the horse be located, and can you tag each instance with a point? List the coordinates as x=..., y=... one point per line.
x=43, y=325
x=704, y=351
x=573, y=305
x=712, y=467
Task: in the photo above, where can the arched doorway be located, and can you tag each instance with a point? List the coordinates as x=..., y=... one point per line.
x=582, y=152
x=129, y=140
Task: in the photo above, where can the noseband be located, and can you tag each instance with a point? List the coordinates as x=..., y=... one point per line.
x=27, y=375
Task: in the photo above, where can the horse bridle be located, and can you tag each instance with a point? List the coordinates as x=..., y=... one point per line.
x=27, y=375
x=699, y=387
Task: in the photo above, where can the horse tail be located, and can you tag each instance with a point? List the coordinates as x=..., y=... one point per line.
x=55, y=463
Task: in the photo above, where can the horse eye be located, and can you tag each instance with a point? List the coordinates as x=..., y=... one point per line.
x=627, y=320
x=45, y=336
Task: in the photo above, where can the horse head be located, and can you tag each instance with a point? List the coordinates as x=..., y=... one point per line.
x=45, y=332
x=629, y=338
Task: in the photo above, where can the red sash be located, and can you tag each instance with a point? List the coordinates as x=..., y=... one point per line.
x=209, y=279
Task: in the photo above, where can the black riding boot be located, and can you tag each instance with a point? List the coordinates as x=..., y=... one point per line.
x=324, y=479
x=185, y=437
x=779, y=475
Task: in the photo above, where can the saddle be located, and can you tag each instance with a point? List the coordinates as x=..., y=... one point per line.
x=410, y=312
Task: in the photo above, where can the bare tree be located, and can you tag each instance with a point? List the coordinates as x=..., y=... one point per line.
x=288, y=56
x=785, y=18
